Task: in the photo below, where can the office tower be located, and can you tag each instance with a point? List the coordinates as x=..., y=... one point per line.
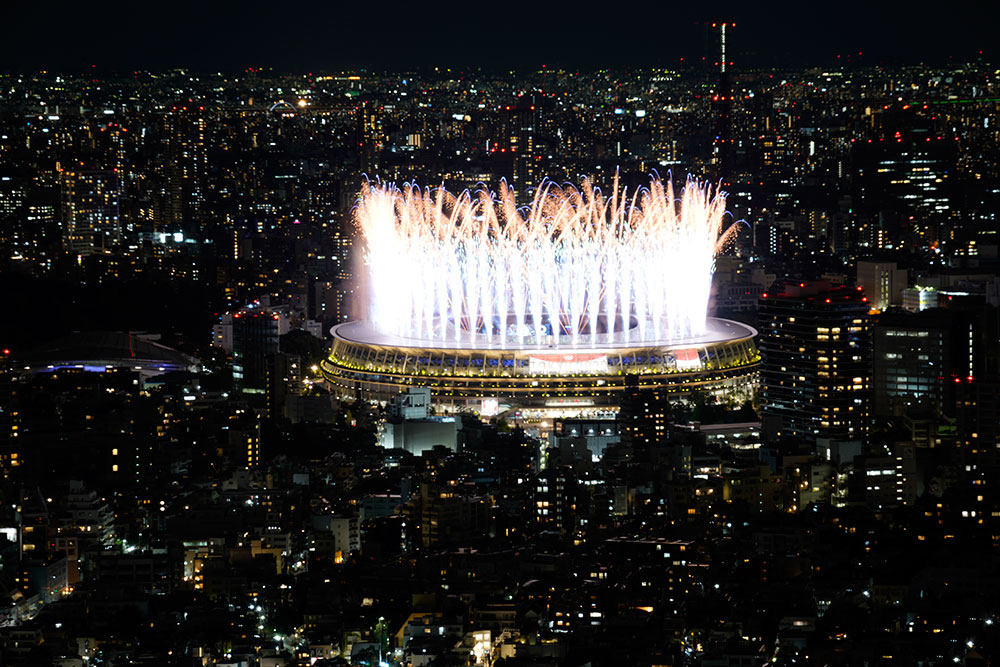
x=722, y=105
x=916, y=357
x=13, y=194
x=370, y=135
x=517, y=145
x=185, y=163
x=42, y=225
x=908, y=168
x=815, y=342
x=882, y=283
x=332, y=298
x=256, y=335
x=332, y=286
x=89, y=211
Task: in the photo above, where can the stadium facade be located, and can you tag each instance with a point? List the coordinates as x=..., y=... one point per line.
x=488, y=377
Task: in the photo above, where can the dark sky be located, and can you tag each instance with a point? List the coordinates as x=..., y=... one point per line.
x=306, y=36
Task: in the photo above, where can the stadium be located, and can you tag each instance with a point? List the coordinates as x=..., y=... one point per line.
x=546, y=308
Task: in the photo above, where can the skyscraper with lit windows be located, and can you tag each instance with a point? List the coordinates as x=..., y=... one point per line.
x=185, y=164
x=89, y=211
x=815, y=343
x=518, y=127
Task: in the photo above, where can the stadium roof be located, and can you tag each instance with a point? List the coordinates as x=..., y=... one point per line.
x=101, y=349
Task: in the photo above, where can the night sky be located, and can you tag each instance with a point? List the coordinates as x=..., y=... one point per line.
x=303, y=36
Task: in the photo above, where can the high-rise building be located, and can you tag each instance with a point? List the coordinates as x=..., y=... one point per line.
x=908, y=168
x=882, y=283
x=256, y=333
x=89, y=211
x=517, y=143
x=330, y=300
x=13, y=194
x=916, y=357
x=371, y=136
x=815, y=343
x=722, y=108
x=185, y=164
x=42, y=225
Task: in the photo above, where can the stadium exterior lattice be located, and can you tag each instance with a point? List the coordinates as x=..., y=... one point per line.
x=486, y=377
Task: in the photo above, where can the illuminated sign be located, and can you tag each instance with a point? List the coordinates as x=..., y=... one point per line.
x=569, y=402
x=687, y=359
x=566, y=364
x=490, y=407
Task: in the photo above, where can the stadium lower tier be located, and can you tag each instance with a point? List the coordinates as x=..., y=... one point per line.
x=376, y=367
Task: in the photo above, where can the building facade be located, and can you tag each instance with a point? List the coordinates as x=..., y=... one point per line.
x=916, y=357
x=815, y=342
x=90, y=220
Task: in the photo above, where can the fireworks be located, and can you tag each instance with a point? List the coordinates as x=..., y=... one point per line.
x=576, y=267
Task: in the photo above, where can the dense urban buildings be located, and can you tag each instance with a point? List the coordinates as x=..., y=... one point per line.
x=208, y=460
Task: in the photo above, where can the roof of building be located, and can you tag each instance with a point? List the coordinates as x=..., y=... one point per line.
x=106, y=348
